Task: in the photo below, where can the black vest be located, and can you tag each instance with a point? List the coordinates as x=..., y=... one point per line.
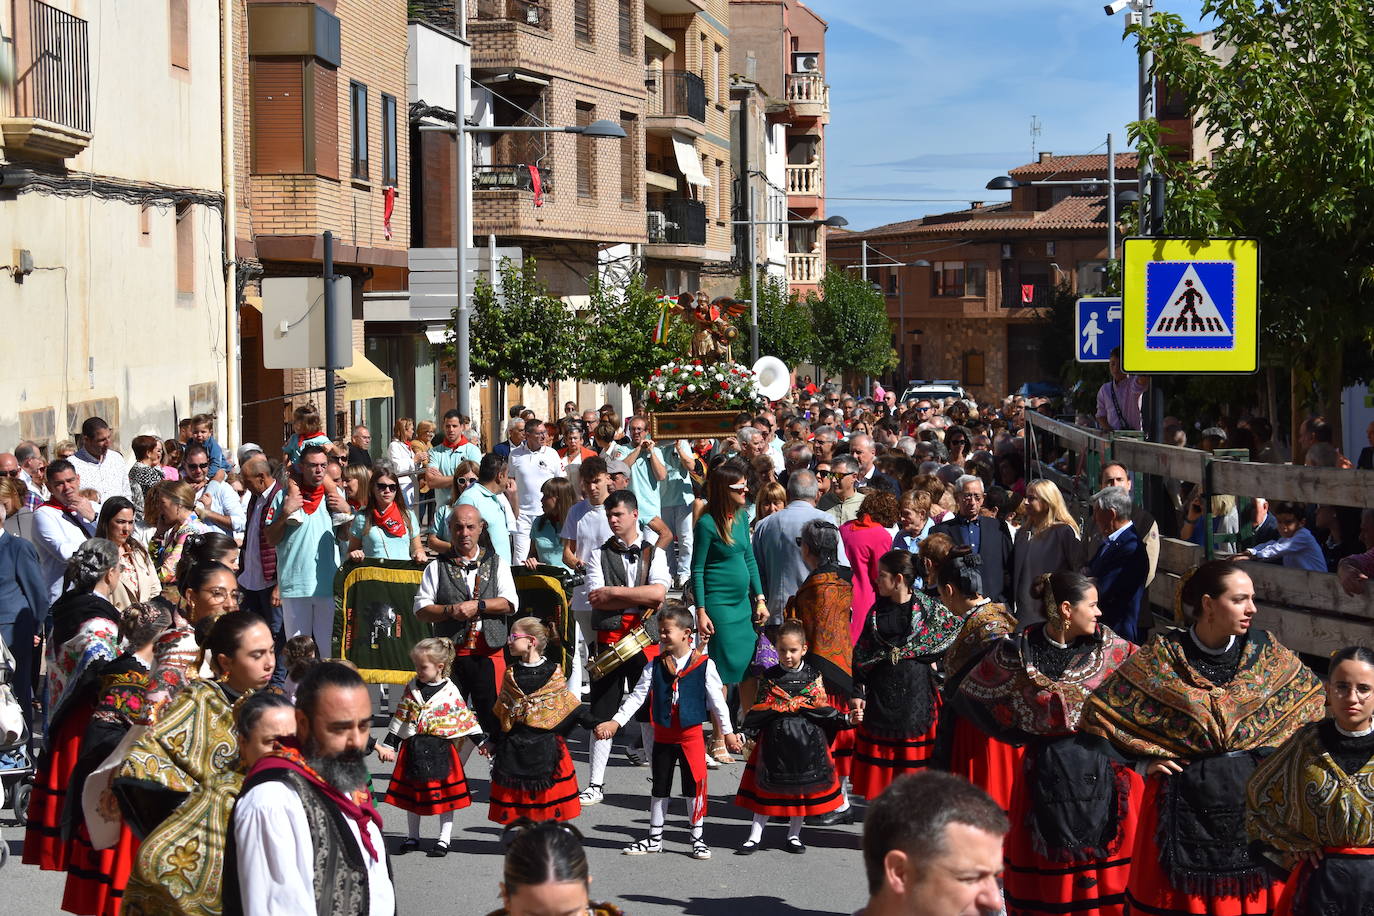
x=613, y=573
x=453, y=589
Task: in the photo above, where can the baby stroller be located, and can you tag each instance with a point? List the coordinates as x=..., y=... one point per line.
x=16, y=754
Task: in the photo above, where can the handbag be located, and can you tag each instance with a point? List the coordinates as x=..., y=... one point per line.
x=765, y=654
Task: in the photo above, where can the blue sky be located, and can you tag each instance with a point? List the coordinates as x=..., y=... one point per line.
x=931, y=98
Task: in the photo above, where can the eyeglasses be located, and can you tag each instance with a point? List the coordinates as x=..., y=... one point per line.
x=220, y=594
x=823, y=475
x=197, y=467
x=13, y=473
x=386, y=486
x=923, y=410
x=514, y=637
x=1361, y=691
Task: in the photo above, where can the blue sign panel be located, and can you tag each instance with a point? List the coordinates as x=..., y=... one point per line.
x=1190, y=305
x=1098, y=329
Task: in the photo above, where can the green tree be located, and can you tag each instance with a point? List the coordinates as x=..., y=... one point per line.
x=616, y=339
x=787, y=328
x=521, y=336
x=1293, y=112
x=853, y=333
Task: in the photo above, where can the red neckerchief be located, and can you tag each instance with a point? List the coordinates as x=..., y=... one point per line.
x=71, y=515
x=312, y=498
x=358, y=806
x=457, y=443
x=392, y=520
x=316, y=433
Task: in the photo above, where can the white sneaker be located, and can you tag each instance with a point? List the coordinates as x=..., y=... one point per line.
x=592, y=795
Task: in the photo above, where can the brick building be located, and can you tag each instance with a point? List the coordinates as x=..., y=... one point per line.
x=320, y=99
x=972, y=314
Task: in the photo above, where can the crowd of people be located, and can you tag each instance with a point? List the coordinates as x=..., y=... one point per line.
x=843, y=596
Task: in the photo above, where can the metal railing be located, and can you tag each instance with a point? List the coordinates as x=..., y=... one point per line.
x=510, y=178
x=678, y=222
x=534, y=13
x=52, y=66
x=1014, y=297
x=676, y=93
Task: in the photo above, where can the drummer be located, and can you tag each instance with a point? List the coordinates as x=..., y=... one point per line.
x=627, y=577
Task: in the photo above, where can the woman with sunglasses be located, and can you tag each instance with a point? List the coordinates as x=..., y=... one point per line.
x=385, y=528
x=724, y=576
x=464, y=476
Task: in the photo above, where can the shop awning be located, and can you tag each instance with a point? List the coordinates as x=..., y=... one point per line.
x=363, y=380
x=688, y=162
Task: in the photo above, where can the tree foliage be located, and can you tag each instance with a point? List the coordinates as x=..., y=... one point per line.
x=1293, y=113
x=853, y=333
x=787, y=328
x=522, y=335
x=616, y=339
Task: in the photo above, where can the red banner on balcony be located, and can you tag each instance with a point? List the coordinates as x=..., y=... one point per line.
x=1028, y=293
x=537, y=186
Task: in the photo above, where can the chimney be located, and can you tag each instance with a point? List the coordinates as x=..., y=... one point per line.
x=975, y=205
x=1045, y=157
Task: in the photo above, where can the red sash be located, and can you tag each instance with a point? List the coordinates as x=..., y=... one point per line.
x=392, y=521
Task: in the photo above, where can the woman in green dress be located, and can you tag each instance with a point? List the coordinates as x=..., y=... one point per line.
x=725, y=577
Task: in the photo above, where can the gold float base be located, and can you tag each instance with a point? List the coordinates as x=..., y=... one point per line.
x=692, y=424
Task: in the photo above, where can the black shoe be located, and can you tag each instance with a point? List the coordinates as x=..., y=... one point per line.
x=748, y=849
x=408, y=845
x=832, y=818
x=439, y=851
x=795, y=845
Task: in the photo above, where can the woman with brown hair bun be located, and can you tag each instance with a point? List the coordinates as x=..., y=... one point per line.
x=546, y=872
x=1201, y=705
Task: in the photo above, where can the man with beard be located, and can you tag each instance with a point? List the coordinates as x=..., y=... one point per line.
x=304, y=836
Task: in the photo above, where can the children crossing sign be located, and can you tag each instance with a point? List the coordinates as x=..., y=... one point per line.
x=1190, y=306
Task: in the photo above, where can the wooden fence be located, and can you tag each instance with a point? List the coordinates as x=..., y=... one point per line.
x=1306, y=611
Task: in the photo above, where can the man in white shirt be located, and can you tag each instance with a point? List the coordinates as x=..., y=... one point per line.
x=216, y=502
x=627, y=577
x=288, y=815
x=469, y=595
x=532, y=464
x=99, y=466
x=62, y=524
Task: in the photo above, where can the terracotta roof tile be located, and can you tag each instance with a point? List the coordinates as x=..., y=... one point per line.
x=1073, y=165
x=1071, y=213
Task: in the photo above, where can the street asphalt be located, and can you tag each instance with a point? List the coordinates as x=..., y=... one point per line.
x=827, y=879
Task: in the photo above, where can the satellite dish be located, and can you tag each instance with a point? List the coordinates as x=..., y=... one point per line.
x=772, y=378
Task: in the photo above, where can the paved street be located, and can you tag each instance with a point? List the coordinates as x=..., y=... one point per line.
x=828, y=879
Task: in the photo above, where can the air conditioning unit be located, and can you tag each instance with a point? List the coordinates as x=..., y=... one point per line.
x=658, y=226
x=806, y=63
x=532, y=15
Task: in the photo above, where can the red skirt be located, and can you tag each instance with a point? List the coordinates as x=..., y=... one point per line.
x=434, y=796
x=1036, y=886
x=43, y=844
x=1151, y=892
x=559, y=802
x=1298, y=876
x=879, y=759
x=96, y=878
x=842, y=745
x=990, y=764
x=761, y=801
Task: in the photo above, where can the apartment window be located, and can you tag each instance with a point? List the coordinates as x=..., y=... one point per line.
x=722, y=191
x=892, y=282
x=629, y=159
x=582, y=21
x=586, y=163
x=974, y=369
x=955, y=278
x=358, y=119
x=627, y=28
x=186, y=251
x=180, y=33
x=718, y=73
x=388, y=140
x=701, y=62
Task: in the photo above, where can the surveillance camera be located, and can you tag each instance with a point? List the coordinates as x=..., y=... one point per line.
x=1116, y=6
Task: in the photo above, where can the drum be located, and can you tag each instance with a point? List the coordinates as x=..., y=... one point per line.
x=625, y=648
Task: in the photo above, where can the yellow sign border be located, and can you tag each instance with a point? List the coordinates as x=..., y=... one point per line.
x=1241, y=359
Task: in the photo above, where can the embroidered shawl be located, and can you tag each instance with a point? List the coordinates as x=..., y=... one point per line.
x=1157, y=704
x=545, y=709
x=1300, y=800
x=822, y=604
x=177, y=662
x=96, y=642
x=776, y=697
x=443, y=715
x=1012, y=700
x=984, y=624
x=933, y=630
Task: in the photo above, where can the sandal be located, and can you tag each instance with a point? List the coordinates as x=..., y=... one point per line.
x=646, y=846
x=700, y=850
x=719, y=751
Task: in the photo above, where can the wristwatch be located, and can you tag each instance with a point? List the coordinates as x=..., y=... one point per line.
x=481, y=605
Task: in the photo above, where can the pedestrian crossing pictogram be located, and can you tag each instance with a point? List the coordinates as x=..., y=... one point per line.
x=1190, y=304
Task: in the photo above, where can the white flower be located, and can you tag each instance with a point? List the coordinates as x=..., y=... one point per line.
x=691, y=387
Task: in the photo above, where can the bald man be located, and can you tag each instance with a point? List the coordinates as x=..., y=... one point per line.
x=258, y=558
x=469, y=595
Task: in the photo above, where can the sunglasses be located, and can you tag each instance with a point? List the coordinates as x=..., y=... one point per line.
x=386, y=486
x=13, y=473
x=197, y=467
x=822, y=475
x=739, y=487
x=465, y=481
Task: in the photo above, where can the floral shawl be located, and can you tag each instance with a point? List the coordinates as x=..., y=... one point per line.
x=95, y=642
x=933, y=630
x=545, y=709
x=443, y=715
x=985, y=623
x=1157, y=704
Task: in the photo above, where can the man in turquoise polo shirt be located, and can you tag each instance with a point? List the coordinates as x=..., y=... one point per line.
x=494, y=497
x=445, y=457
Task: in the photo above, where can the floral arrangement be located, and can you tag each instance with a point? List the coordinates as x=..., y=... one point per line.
x=695, y=385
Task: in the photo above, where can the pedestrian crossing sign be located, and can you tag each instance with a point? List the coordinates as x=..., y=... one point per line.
x=1190, y=306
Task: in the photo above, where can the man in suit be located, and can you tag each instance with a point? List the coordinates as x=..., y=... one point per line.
x=989, y=536
x=1121, y=565
x=861, y=448
x=781, y=568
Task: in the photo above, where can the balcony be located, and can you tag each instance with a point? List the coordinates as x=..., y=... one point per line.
x=677, y=231
x=52, y=85
x=804, y=180
x=808, y=95
x=511, y=178
x=803, y=268
x=534, y=13
x=676, y=101
x=1026, y=295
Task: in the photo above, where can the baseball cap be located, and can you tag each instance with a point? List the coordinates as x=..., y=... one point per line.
x=248, y=450
x=616, y=466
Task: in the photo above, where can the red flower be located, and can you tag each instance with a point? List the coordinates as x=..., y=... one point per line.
x=725, y=385
x=696, y=362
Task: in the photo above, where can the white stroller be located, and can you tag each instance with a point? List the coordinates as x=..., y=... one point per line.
x=16, y=754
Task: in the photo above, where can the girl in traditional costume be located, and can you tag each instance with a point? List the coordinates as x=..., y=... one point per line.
x=896, y=696
x=1075, y=806
x=965, y=749
x=790, y=772
x=96, y=878
x=545, y=871
x=532, y=774
x=85, y=636
x=1202, y=704
x=429, y=723
x=1313, y=800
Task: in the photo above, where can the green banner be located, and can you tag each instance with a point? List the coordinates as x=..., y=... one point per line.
x=374, y=626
